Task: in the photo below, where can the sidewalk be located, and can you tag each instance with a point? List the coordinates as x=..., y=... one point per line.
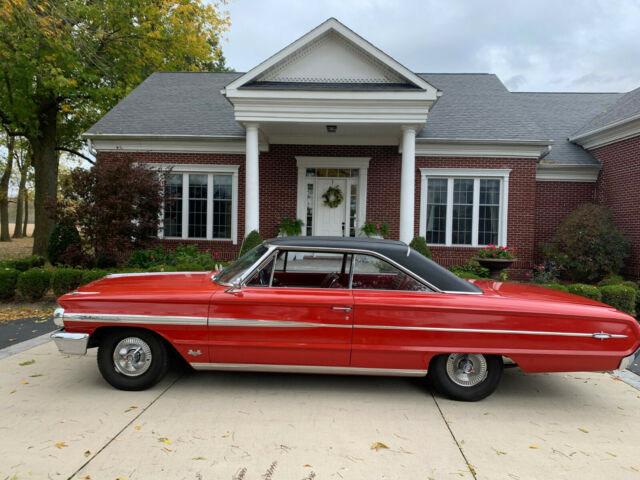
x=61, y=420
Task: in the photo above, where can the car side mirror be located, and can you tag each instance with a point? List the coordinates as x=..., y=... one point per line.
x=234, y=289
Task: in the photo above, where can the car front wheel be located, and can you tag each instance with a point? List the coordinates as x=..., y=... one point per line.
x=132, y=359
x=466, y=376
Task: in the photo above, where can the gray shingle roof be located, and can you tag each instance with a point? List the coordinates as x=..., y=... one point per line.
x=627, y=106
x=559, y=114
x=477, y=106
x=174, y=103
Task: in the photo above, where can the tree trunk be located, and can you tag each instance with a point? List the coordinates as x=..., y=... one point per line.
x=45, y=165
x=21, y=204
x=26, y=214
x=4, y=192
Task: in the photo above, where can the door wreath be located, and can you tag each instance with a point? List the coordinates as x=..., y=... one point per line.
x=332, y=197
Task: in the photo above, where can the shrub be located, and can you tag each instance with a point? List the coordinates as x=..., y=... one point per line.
x=191, y=254
x=546, y=272
x=610, y=280
x=73, y=256
x=619, y=297
x=375, y=229
x=492, y=251
x=8, y=281
x=629, y=283
x=419, y=244
x=290, y=227
x=251, y=241
x=89, y=276
x=189, y=267
x=588, y=245
x=34, y=283
x=65, y=280
x=24, y=264
x=468, y=275
x=163, y=268
x=555, y=286
x=472, y=267
x=61, y=238
x=148, y=258
x=587, y=291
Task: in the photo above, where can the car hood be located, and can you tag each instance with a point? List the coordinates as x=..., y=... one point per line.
x=519, y=291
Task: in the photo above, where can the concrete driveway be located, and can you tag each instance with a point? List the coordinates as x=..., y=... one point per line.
x=61, y=420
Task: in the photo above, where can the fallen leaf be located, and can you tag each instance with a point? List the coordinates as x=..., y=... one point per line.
x=199, y=458
x=165, y=440
x=533, y=447
x=309, y=466
x=635, y=469
x=61, y=444
x=137, y=427
x=130, y=408
x=12, y=391
x=64, y=420
x=612, y=454
x=616, y=379
x=28, y=362
x=36, y=375
x=168, y=449
x=500, y=452
x=122, y=478
x=85, y=477
x=225, y=435
x=87, y=453
x=25, y=383
x=12, y=339
x=377, y=446
x=583, y=430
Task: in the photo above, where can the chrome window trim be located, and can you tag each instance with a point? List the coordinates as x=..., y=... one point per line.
x=149, y=274
x=265, y=367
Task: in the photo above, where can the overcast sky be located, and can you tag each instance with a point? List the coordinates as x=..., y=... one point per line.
x=533, y=45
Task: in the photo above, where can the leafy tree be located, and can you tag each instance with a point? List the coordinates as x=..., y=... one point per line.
x=64, y=63
x=116, y=205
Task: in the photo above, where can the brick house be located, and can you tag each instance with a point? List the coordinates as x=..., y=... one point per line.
x=456, y=158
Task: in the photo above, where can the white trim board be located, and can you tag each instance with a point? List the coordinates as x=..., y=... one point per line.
x=567, y=173
x=172, y=145
x=480, y=148
x=612, y=133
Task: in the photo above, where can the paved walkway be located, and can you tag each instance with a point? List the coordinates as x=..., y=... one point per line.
x=61, y=420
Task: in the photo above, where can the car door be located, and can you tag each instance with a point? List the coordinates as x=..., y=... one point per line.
x=295, y=310
x=391, y=308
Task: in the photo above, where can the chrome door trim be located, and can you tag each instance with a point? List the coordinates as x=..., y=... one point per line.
x=482, y=330
x=141, y=319
x=259, y=367
x=250, y=322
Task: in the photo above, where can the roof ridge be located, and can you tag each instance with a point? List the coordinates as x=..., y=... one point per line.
x=572, y=93
x=455, y=73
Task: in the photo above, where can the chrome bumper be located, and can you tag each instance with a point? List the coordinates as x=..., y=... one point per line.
x=71, y=343
x=628, y=360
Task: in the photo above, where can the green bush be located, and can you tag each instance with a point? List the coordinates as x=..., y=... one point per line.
x=555, y=286
x=610, y=280
x=182, y=255
x=62, y=237
x=629, y=283
x=24, y=264
x=419, y=244
x=89, y=276
x=468, y=275
x=34, y=283
x=65, y=280
x=8, y=281
x=472, y=267
x=587, y=291
x=163, y=268
x=588, y=245
x=148, y=258
x=251, y=241
x=189, y=267
x=619, y=297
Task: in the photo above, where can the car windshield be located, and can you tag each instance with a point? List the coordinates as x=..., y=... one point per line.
x=232, y=272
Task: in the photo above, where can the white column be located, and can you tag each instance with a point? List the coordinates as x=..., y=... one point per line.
x=252, y=181
x=407, y=184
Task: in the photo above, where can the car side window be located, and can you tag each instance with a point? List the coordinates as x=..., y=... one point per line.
x=308, y=269
x=372, y=273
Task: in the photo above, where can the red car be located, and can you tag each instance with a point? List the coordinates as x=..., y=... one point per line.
x=340, y=306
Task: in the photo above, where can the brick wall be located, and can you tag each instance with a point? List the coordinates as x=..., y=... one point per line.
x=618, y=187
x=554, y=201
x=521, y=220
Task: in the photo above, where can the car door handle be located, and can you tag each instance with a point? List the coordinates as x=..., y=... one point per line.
x=344, y=309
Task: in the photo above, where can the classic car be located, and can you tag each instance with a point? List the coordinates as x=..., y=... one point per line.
x=339, y=306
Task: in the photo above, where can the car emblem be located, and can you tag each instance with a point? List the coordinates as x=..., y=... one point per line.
x=194, y=353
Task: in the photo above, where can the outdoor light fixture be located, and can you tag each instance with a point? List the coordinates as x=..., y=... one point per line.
x=332, y=128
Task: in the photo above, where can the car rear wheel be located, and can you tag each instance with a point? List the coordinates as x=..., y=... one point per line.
x=132, y=359
x=466, y=376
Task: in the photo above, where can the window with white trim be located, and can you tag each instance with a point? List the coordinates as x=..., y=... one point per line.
x=200, y=204
x=466, y=207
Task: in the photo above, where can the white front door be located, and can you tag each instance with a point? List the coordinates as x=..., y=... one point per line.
x=331, y=221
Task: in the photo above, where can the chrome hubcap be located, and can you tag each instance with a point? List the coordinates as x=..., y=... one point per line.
x=467, y=369
x=132, y=356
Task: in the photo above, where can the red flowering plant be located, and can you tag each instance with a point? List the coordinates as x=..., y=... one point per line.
x=372, y=229
x=493, y=251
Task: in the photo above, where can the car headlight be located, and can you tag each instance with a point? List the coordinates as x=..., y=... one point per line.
x=58, y=316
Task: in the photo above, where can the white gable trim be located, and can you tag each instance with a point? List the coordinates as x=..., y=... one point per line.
x=481, y=148
x=567, y=173
x=170, y=144
x=614, y=132
x=336, y=26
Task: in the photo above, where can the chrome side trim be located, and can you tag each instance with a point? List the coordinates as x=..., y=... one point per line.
x=481, y=330
x=76, y=292
x=248, y=322
x=142, y=319
x=149, y=274
x=258, y=367
x=71, y=343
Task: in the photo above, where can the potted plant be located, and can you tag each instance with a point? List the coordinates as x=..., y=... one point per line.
x=496, y=259
x=289, y=227
x=375, y=229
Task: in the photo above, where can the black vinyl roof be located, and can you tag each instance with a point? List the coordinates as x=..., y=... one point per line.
x=397, y=251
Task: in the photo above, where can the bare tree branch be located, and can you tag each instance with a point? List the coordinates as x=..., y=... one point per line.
x=75, y=152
